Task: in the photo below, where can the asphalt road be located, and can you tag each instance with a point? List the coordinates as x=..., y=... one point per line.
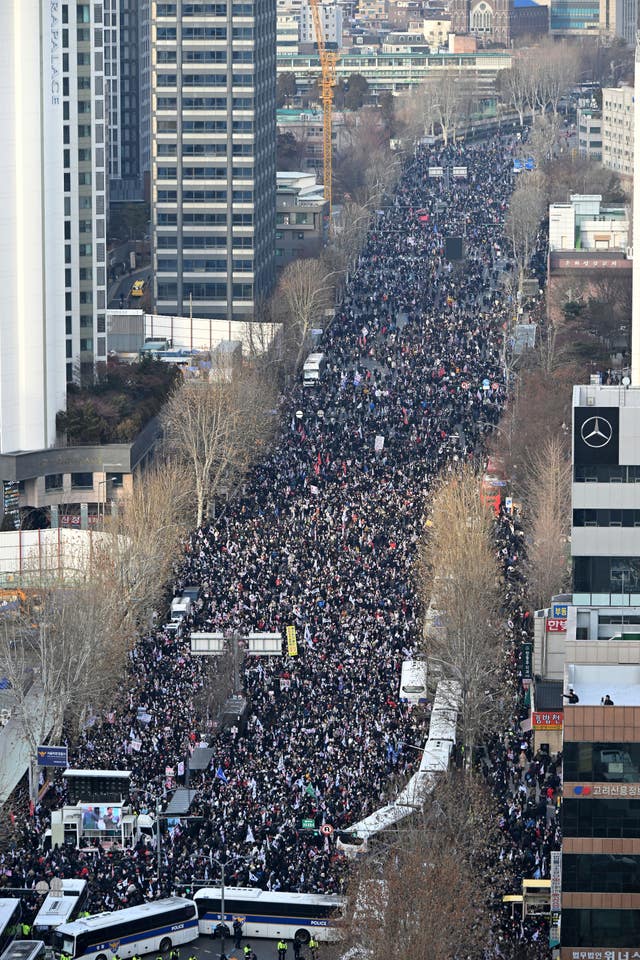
x=205, y=948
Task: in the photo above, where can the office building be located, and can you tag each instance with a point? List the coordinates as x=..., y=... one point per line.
x=600, y=813
x=128, y=78
x=213, y=156
x=574, y=18
x=605, y=539
x=590, y=133
x=302, y=217
x=288, y=33
x=617, y=129
x=586, y=224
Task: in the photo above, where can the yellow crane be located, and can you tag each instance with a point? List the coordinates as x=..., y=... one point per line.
x=328, y=61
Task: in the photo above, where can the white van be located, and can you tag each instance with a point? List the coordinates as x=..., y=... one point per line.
x=180, y=607
x=413, y=682
x=313, y=369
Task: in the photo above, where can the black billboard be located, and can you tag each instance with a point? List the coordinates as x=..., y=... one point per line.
x=596, y=435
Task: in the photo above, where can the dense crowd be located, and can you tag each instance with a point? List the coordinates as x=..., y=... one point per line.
x=324, y=538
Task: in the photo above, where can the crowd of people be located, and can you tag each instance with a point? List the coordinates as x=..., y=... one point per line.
x=324, y=538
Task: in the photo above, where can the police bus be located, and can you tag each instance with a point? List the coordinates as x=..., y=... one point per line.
x=61, y=905
x=25, y=950
x=152, y=927
x=10, y=917
x=265, y=913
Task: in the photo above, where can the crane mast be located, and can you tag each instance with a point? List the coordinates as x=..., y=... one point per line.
x=328, y=61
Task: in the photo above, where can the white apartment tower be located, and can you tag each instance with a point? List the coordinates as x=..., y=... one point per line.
x=213, y=165
x=32, y=267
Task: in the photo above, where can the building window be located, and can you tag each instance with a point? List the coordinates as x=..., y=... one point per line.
x=589, y=928
x=53, y=481
x=602, y=762
x=607, y=818
x=82, y=481
x=600, y=873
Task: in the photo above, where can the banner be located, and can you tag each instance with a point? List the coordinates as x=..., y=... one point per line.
x=546, y=720
x=292, y=642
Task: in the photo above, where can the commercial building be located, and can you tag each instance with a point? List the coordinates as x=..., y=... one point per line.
x=302, y=217
x=589, y=122
x=601, y=814
x=585, y=224
x=213, y=163
x=288, y=33
x=436, y=27
x=307, y=127
x=574, y=18
x=617, y=129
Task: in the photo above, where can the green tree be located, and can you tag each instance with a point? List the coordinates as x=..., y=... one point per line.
x=286, y=88
x=357, y=92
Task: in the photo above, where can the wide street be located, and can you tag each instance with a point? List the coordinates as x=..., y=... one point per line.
x=206, y=948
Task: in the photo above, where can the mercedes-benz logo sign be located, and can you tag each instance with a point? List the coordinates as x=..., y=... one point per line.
x=596, y=432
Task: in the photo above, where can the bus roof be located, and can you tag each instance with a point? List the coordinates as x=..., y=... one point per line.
x=23, y=950
x=8, y=906
x=87, y=924
x=254, y=893
x=381, y=820
x=113, y=774
x=57, y=906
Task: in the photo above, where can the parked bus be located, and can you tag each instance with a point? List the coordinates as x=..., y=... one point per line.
x=10, y=917
x=268, y=914
x=413, y=682
x=60, y=907
x=24, y=950
x=152, y=927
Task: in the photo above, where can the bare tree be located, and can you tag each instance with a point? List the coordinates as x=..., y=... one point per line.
x=548, y=509
x=459, y=578
x=447, y=107
x=513, y=86
x=215, y=429
x=426, y=892
x=305, y=291
x=526, y=210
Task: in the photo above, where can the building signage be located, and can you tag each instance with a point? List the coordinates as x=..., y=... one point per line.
x=556, y=881
x=595, y=435
x=593, y=791
x=556, y=626
x=559, y=611
x=53, y=756
x=54, y=53
x=600, y=953
x=525, y=659
x=546, y=720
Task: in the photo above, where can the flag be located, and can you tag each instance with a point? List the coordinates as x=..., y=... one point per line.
x=309, y=789
x=250, y=837
x=221, y=775
x=307, y=636
x=181, y=769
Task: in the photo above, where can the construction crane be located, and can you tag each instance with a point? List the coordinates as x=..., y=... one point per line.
x=328, y=61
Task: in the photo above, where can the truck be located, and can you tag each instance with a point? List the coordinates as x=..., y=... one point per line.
x=313, y=369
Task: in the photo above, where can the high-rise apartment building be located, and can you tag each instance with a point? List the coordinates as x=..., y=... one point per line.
x=617, y=129
x=85, y=137
x=32, y=210
x=213, y=155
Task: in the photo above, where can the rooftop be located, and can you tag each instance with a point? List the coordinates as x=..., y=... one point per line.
x=592, y=682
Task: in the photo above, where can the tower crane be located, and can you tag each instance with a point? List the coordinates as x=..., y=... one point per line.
x=328, y=61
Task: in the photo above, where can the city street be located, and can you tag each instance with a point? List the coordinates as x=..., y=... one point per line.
x=206, y=948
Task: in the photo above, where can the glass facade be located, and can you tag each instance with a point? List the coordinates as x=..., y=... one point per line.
x=574, y=17
x=601, y=762
x=616, y=818
x=600, y=873
x=606, y=574
x=596, y=928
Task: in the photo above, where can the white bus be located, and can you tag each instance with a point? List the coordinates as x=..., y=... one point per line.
x=60, y=907
x=10, y=917
x=152, y=927
x=413, y=682
x=269, y=914
x=25, y=950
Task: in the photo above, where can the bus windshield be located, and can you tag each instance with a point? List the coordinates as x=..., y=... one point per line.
x=10, y=917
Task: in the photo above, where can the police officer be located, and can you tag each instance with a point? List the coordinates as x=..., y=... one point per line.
x=297, y=948
x=282, y=949
x=313, y=946
x=174, y=954
x=247, y=951
x=26, y=930
x=237, y=934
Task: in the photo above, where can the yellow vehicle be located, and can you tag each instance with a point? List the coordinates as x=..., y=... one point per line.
x=137, y=290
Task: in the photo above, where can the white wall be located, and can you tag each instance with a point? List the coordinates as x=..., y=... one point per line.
x=31, y=225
